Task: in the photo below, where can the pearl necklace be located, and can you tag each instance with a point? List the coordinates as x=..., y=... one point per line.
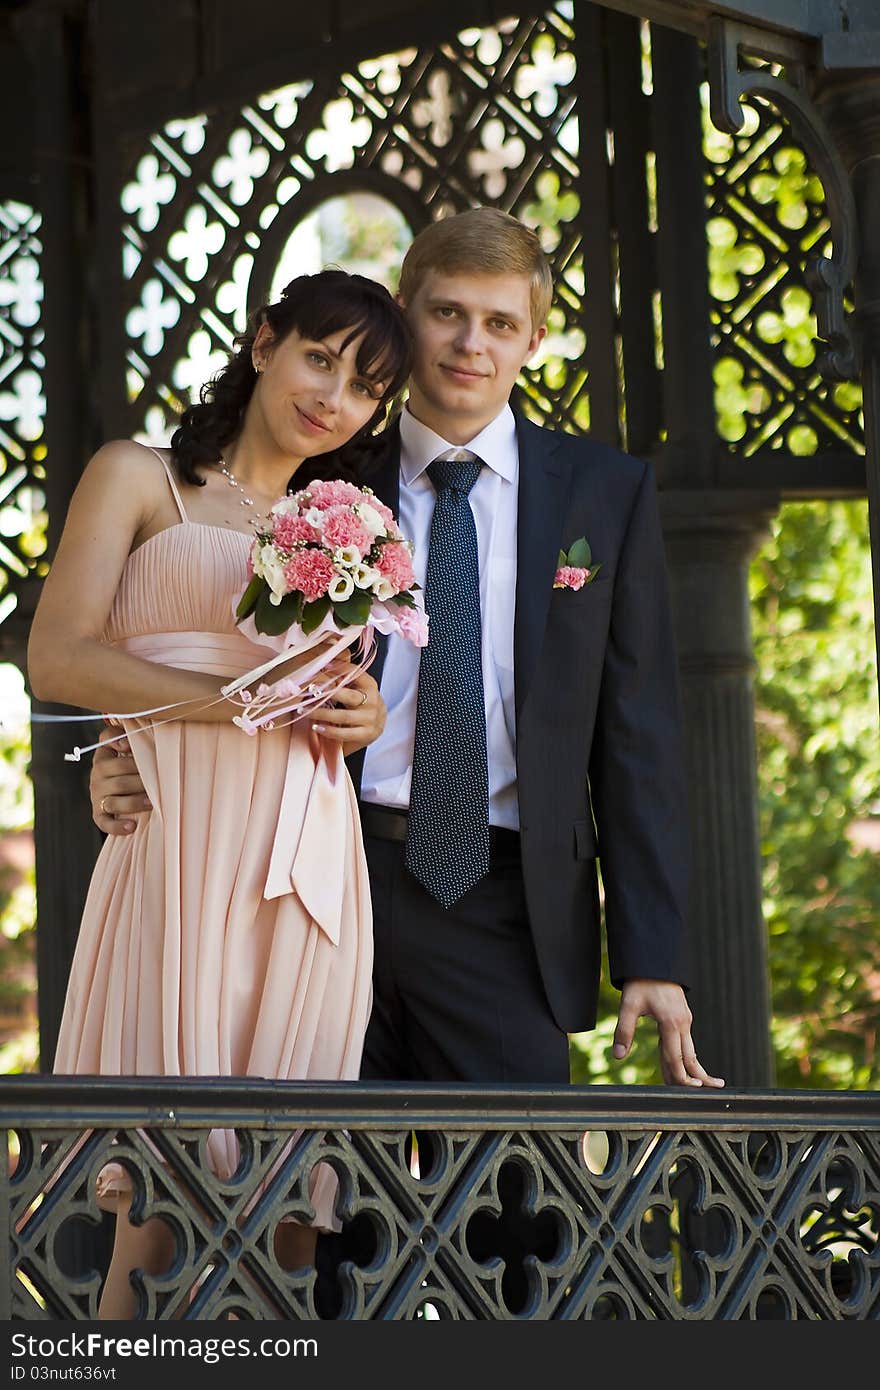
x=255, y=518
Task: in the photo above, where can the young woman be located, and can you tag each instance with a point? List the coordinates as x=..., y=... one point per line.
x=189, y=962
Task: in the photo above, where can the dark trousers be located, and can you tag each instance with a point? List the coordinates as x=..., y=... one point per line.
x=457, y=997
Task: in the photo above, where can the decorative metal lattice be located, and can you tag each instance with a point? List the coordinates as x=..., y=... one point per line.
x=641, y=1207
x=767, y=218
x=22, y=403
x=488, y=118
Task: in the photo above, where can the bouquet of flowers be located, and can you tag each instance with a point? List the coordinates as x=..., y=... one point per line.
x=328, y=570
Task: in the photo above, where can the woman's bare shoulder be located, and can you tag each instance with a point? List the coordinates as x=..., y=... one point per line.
x=126, y=464
x=128, y=453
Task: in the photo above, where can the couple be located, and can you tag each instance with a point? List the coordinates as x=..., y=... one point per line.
x=542, y=729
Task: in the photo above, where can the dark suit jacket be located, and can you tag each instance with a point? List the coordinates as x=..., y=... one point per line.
x=600, y=766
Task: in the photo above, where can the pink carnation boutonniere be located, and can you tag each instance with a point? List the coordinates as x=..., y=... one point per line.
x=576, y=568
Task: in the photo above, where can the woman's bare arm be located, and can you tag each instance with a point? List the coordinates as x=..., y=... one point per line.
x=115, y=501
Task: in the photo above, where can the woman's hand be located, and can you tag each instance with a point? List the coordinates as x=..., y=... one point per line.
x=357, y=716
x=116, y=790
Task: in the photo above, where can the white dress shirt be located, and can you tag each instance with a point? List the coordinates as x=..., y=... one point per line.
x=387, y=771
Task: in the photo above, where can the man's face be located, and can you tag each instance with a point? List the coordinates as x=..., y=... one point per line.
x=473, y=333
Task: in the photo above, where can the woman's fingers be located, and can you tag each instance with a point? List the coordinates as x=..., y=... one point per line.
x=356, y=717
x=115, y=788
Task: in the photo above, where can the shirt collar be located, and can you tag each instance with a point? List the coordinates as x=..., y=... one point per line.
x=495, y=445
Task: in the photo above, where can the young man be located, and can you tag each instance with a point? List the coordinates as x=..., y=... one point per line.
x=539, y=728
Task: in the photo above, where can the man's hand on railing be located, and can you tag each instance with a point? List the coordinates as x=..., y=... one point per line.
x=665, y=1002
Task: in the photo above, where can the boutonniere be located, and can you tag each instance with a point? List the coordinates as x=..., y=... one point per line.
x=575, y=569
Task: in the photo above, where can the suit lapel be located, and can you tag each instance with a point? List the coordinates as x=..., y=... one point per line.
x=544, y=481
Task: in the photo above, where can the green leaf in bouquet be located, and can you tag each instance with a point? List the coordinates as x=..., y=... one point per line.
x=248, y=601
x=562, y=559
x=314, y=613
x=353, y=611
x=404, y=599
x=275, y=618
x=580, y=555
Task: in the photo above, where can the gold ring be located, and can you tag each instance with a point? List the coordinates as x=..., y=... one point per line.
x=104, y=811
x=363, y=700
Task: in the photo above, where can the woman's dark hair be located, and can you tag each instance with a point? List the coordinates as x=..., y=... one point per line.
x=317, y=306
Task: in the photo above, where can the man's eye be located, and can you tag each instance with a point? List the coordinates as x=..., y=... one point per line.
x=446, y=311
x=500, y=323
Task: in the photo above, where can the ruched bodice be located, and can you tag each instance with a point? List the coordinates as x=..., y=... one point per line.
x=183, y=578
x=231, y=933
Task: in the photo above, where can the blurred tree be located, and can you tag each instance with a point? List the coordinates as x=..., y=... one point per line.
x=819, y=785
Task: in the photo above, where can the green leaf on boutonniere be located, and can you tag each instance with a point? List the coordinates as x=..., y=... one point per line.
x=354, y=610
x=275, y=618
x=562, y=560
x=314, y=613
x=248, y=601
x=580, y=554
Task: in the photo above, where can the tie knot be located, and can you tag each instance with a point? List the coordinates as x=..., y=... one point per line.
x=457, y=468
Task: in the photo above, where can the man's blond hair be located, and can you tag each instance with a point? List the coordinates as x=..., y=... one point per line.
x=481, y=241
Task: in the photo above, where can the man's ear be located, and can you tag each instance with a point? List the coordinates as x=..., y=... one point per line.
x=535, y=342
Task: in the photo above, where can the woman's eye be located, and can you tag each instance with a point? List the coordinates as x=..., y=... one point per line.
x=318, y=357
x=362, y=388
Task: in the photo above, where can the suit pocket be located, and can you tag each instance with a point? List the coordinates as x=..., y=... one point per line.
x=596, y=591
x=585, y=846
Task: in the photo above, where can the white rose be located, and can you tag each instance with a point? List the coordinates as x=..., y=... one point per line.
x=365, y=575
x=269, y=566
x=285, y=507
x=341, y=588
x=371, y=518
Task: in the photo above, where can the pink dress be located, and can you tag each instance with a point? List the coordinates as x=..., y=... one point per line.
x=231, y=933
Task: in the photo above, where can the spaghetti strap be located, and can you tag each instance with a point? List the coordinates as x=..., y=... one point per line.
x=171, y=483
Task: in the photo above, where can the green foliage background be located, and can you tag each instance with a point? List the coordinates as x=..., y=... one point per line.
x=819, y=784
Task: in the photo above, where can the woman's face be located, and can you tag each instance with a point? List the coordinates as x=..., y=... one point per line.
x=310, y=394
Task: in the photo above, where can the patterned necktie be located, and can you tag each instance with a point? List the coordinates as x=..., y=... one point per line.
x=447, y=845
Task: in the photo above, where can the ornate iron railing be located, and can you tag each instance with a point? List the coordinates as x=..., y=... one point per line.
x=640, y=1202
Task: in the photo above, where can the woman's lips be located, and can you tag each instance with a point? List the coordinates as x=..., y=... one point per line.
x=310, y=423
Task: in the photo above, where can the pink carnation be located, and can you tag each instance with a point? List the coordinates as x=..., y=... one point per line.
x=342, y=527
x=331, y=494
x=570, y=577
x=287, y=530
x=395, y=563
x=309, y=571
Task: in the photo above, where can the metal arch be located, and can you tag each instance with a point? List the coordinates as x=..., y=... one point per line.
x=829, y=276
x=325, y=186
